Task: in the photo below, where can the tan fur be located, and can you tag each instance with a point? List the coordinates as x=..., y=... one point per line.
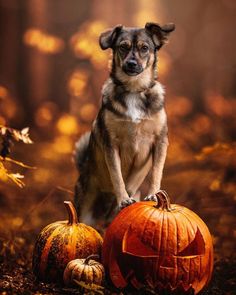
x=122, y=169
x=136, y=83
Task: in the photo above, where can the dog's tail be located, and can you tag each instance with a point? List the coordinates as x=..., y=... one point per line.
x=81, y=148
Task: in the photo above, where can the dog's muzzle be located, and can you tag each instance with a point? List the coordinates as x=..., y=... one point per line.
x=132, y=68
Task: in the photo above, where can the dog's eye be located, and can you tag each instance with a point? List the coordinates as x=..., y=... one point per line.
x=124, y=46
x=144, y=48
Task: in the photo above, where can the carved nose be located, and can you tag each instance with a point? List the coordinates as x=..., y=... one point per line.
x=132, y=63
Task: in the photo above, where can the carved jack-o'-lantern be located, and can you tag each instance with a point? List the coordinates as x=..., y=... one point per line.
x=163, y=246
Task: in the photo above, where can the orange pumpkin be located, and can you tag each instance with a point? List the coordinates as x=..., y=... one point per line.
x=163, y=246
x=62, y=241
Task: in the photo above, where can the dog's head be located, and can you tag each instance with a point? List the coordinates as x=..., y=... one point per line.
x=134, y=49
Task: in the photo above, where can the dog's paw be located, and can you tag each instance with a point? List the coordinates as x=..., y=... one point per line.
x=151, y=198
x=126, y=203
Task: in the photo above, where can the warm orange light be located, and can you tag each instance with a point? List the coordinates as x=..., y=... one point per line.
x=45, y=113
x=164, y=64
x=9, y=108
x=77, y=82
x=67, y=125
x=3, y=92
x=63, y=145
x=147, y=11
x=219, y=105
x=84, y=43
x=179, y=106
x=202, y=124
x=43, y=116
x=2, y=121
x=42, y=41
x=88, y=112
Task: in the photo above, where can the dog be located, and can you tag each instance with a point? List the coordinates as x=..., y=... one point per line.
x=129, y=139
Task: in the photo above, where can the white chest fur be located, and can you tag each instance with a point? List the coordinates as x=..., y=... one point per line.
x=134, y=111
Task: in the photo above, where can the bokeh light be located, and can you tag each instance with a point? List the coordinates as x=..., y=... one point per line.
x=77, y=82
x=43, y=41
x=85, y=45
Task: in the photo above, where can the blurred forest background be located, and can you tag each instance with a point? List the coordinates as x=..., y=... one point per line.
x=51, y=74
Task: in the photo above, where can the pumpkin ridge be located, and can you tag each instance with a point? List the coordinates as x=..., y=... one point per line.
x=156, y=227
x=72, y=247
x=38, y=248
x=54, y=260
x=169, y=263
x=189, y=261
x=49, y=227
x=100, y=268
x=159, y=246
x=145, y=225
x=68, y=276
x=155, y=266
x=166, y=240
x=46, y=250
x=83, y=273
x=78, y=270
x=177, y=245
x=94, y=275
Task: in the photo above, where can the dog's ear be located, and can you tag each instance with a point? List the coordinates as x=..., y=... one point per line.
x=159, y=33
x=107, y=38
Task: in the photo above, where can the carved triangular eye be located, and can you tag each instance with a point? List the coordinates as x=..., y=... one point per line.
x=133, y=245
x=195, y=248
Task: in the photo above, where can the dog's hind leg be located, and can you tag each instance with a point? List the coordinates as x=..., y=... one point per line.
x=85, y=206
x=81, y=147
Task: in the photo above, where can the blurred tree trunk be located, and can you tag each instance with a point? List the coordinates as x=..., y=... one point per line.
x=9, y=32
x=65, y=19
x=33, y=67
x=32, y=76
x=113, y=12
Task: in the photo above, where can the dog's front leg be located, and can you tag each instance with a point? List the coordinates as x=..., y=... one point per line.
x=159, y=156
x=114, y=167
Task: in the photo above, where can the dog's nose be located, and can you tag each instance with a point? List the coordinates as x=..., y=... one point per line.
x=132, y=63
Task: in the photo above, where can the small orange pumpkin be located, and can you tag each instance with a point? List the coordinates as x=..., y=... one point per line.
x=87, y=270
x=164, y=246
x=62, y=241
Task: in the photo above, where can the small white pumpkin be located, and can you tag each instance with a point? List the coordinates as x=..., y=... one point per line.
x=87, y=270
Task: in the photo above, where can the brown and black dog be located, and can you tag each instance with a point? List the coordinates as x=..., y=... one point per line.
x=128, y=140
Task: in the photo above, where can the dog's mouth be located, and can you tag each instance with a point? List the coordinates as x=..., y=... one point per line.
x=132, y=71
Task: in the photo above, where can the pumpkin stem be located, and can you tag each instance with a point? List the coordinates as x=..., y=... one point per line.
x=73, y=219
x=163, y=200
x=93, y=256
